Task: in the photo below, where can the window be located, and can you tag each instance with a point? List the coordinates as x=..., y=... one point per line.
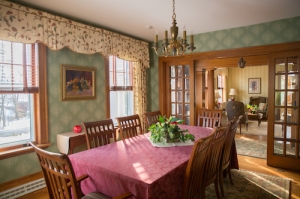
x=221, y=88
x=120, y=87
x=22, y=102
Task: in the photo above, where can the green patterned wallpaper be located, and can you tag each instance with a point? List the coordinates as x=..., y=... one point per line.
x=281, y=31
x=64, y=115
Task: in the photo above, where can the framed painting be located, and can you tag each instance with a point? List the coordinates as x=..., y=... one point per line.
x=254, y=86
x=77, y=82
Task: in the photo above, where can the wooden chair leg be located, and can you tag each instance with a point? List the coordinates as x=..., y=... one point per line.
x=221, y=174
x=217, y=188
x=229, y=174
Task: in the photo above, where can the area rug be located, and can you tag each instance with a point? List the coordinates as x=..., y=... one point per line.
x=252, y=185
x=258, y=148
x=249, y=147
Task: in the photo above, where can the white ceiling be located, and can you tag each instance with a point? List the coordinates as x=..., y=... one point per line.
x=131, y=17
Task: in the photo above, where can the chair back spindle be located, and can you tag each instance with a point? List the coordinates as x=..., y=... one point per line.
x=129, y=126
x=209, y=118
x=151, y=117
x=99, y=133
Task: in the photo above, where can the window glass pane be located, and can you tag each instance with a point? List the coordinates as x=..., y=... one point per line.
x=173, y=71
x=187, y=83
x=291, y=131
x=186, y=71
x=292, y=115
x=278, y=147
x=292, y=81
x=180, y=72
x=16, y=119
x=279, y=82
x=173, y=109
x=187, y=96
x=279, y=98
x=179, y=110
x=173, y=99
x=172, y=83
x=121, y=104
x=279, y=114
x=280, y=65
x=293, y=64
x=290, y=149
x=278, y=131
x=179, y=96
x=179, y=83
x=187, y=109
x=292, y=98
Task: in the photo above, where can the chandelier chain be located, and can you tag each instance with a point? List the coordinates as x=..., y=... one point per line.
x=174, y=15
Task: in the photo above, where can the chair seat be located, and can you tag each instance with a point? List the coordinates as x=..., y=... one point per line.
x=95, y=195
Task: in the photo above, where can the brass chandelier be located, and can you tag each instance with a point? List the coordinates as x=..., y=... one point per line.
x=174, y=47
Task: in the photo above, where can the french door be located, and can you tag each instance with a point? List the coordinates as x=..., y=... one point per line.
x=283, y=124
x=177, y=86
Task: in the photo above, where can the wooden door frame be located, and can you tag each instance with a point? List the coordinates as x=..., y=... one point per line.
x=162, y=72
x=254, y=56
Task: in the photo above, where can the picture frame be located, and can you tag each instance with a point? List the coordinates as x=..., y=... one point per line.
x=254, y=85
x=77, y=82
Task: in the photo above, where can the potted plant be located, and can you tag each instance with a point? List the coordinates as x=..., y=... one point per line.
x=252, y=108
x=166, y=130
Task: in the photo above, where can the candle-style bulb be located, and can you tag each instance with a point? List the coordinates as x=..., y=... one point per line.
x=156, y=37
x=192, y=37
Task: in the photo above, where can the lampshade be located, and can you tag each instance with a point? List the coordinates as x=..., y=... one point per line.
x=232, y=91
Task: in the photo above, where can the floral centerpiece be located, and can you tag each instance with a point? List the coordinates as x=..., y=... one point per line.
x=252, y=108
x=166, y=130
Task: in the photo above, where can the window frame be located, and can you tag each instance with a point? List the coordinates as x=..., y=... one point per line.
x=40, y=113
x=107, y=83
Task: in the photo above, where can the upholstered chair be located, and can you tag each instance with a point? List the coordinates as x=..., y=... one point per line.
x=234, y=109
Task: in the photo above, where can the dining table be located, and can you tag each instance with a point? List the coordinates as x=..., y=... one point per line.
x=139, y=166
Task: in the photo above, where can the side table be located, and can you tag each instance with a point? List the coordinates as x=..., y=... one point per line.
x=255, y=116
x=66, y=142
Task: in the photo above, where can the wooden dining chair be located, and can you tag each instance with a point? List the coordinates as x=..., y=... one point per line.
x=129, y=126
x=227, y=153
x=151, y=117
x=99, y=133
x=195, y=169
x=60, y=177
x=209, y=117
x=212, y=164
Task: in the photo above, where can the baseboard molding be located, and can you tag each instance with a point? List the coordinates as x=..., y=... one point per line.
x=19, y=181
x=23, y=189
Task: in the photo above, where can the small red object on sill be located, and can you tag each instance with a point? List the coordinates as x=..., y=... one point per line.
x=77, y=129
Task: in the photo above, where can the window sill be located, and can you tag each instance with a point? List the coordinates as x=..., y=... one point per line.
x=20, y=151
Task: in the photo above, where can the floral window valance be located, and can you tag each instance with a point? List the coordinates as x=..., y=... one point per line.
x=22, y=24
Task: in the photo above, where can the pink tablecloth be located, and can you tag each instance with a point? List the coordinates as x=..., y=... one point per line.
x=135, y=165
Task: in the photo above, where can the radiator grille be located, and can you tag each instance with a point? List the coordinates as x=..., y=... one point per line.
x=23, y=189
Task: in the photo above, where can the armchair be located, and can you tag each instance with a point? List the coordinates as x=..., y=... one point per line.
x=234, y=110
x=262, y=104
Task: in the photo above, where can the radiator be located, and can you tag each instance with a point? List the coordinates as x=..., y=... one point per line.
x=23, y=189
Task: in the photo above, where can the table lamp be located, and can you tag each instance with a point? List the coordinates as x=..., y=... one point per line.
x=217, y=96
x=232, y=93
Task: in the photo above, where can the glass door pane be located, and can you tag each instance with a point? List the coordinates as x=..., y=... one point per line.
x=286, y=108
x=179, y=92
